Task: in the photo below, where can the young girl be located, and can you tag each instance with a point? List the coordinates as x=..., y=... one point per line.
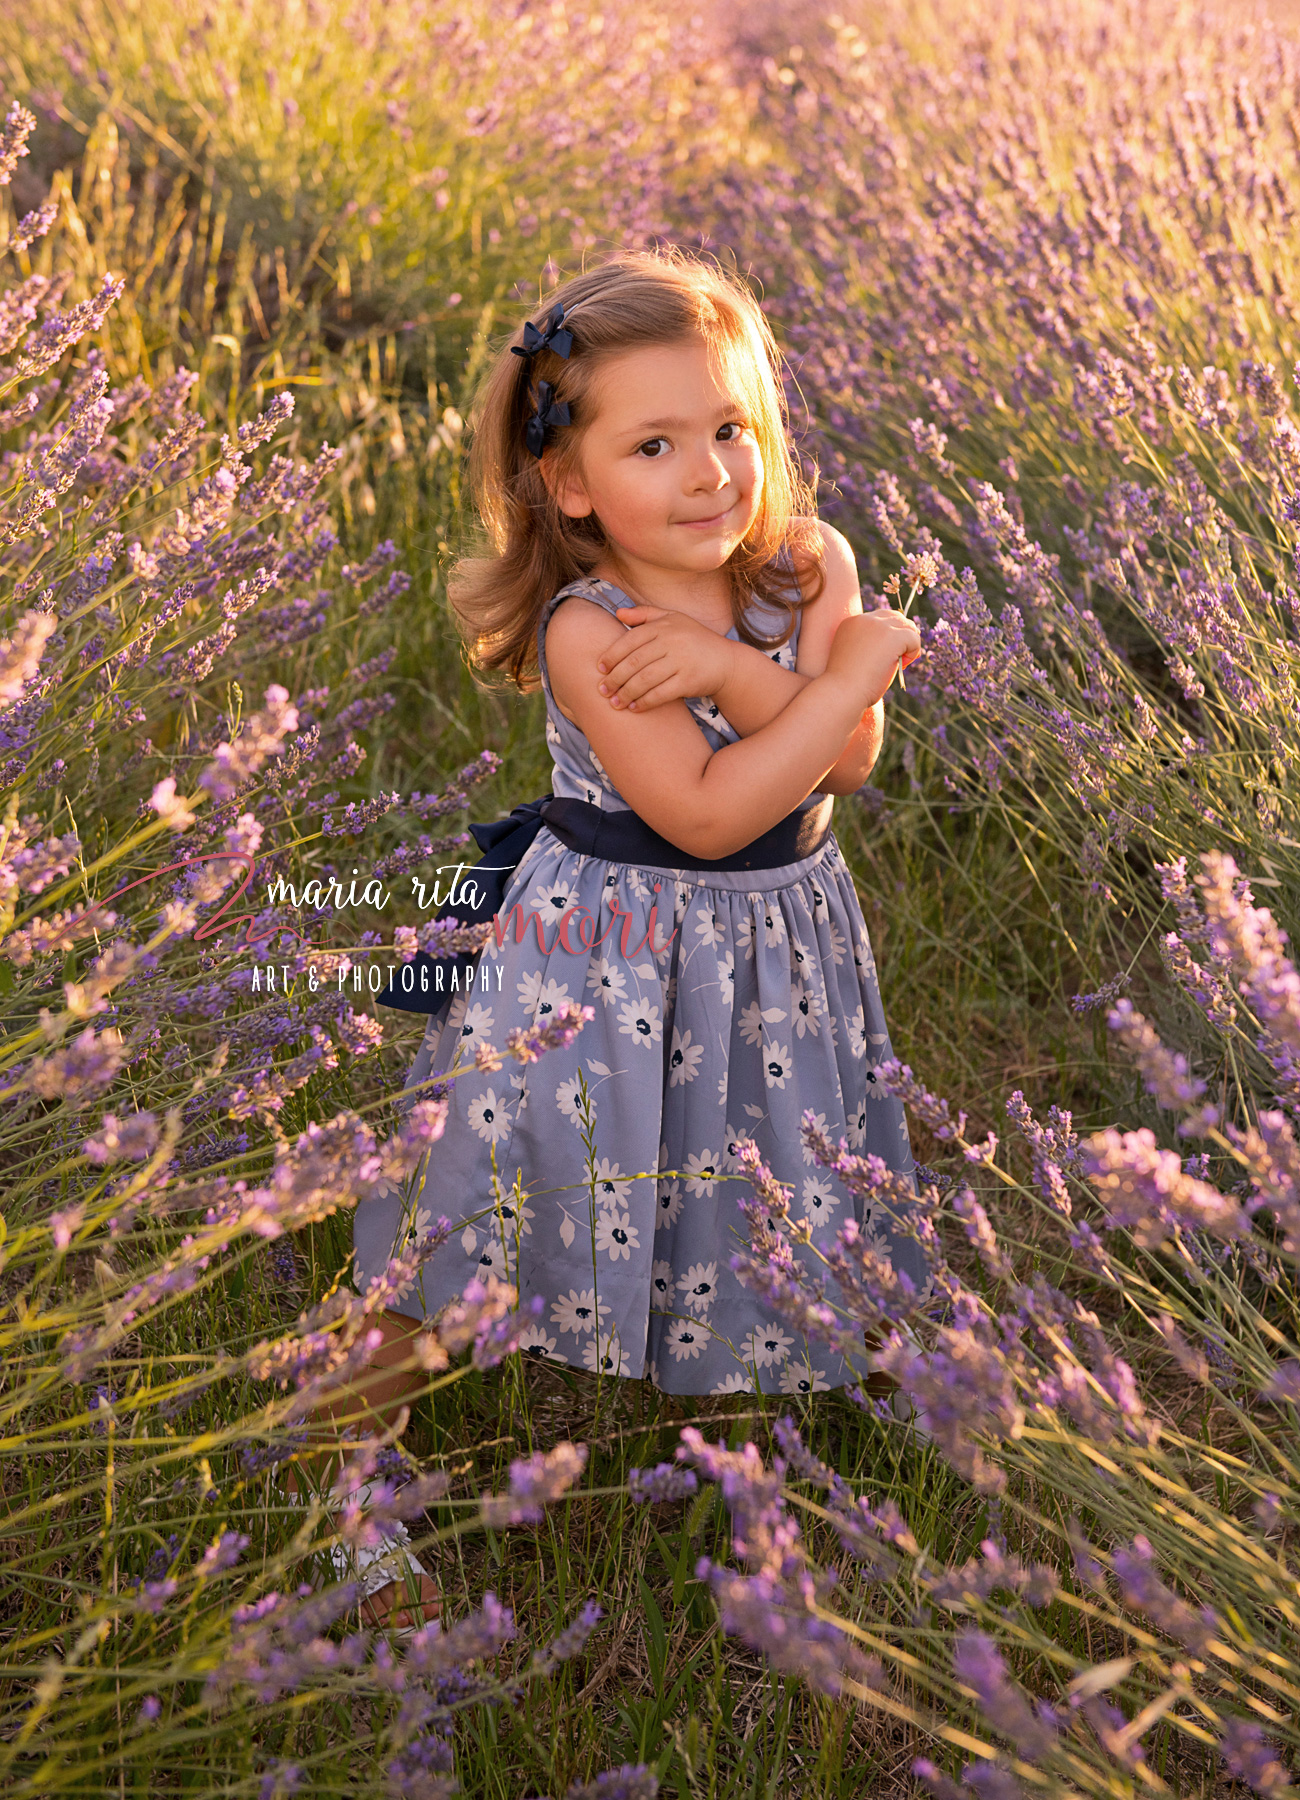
x=711, y=681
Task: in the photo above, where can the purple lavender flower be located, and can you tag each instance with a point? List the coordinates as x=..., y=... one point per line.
x=535, y=1482
x=666, y=1481
x=633, y=1781
x=1145, y=1592
x=1284, y=1383
x=979, y=1665
x=1145, y=1190
x=1252, y=1758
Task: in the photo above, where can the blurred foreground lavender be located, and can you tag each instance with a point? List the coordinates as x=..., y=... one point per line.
x=198, y=1618
x=1036, y=274
x=1113, y=1361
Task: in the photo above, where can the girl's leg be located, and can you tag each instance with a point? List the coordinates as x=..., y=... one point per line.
x=373, y=1400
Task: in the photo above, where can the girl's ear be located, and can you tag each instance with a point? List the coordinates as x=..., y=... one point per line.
x=568, y=491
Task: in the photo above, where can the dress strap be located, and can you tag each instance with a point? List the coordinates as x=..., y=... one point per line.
x=588, y=587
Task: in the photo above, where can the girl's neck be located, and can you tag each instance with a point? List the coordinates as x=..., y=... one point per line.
x=705, y=597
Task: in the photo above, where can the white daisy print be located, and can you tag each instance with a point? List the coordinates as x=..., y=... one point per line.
x=745, y=936
x=819, y=1120
x=638, y=884
x=857, y=1128
x=874, y=1239
x=767, y=1344
x=735, y=1383
x=597, y=764
x=552, y=731
x=684, y=1059
x=417, y=1226
x=616, y=1234
x=568, y=1097
x=576, y=1311
x=777, y=1066
x=662, y=1283
x=804, y=1011
x=856, y=1026
x=862, y=955
x=517, y=1216
x=838, y=945
x=800, y=961
x=495, y=1259
x=639, y=1021
x=802, y=1378
x=529, y=990
x=702, y=1172
x=604, y=1356
x=708, y=926
x=773, y=927
x=553, y=898
x=727, y=977
x=535, y=1343
x=753, y=1018
x=607, y=979
x=732, y=1140
x=818, y=901
x=819, y=1200
x=476, y=1024
x=551, y=996
x=686, y=1340
x=875, y=1086
x=612, y=1185
x=670, y=1204
x=698, y=1287
x=487, y=1115
x=469, y=1240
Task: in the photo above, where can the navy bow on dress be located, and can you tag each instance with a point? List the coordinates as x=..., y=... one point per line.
x=550, y=339
x=550, y=411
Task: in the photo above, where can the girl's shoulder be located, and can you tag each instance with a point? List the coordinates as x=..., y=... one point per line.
x=829, y=548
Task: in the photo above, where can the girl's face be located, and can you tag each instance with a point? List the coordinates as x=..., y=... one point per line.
x=669, y=463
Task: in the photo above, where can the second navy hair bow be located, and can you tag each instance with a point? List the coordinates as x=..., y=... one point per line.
x=550, y=339
x=550, y=411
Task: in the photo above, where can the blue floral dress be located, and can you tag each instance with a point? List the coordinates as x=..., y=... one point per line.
x=603, y=1177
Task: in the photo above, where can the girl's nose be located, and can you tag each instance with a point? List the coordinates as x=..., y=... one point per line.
x=708, y=473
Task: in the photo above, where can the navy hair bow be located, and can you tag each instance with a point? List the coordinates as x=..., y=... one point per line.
x=550, y=411
x=550, y=339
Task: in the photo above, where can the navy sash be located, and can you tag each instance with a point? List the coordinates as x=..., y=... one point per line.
x=619, y=837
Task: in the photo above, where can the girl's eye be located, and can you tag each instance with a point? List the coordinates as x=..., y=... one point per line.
x=732, y=425
x=649, y=445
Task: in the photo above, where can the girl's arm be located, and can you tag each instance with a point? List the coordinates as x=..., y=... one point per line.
x=713, y=803
x=748, y=688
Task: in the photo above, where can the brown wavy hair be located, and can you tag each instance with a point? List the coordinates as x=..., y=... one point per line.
x=531, y=548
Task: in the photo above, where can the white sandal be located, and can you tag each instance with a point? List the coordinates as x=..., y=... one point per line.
x=373, y=1567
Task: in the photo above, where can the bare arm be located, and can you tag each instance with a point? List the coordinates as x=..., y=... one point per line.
x=712, y=803
x=662, y=656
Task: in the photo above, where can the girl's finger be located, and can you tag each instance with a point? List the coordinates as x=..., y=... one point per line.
x=657, y=696
x=641, y=681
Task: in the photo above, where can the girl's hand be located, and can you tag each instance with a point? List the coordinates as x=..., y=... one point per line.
x=870, y=648
x=665, y=656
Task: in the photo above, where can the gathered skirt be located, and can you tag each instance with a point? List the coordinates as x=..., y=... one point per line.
x=602, y=1177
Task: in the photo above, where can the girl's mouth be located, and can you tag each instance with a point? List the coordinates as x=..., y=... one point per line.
x=704, y=524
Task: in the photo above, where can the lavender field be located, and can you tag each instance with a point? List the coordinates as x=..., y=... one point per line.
x=1036, y=271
